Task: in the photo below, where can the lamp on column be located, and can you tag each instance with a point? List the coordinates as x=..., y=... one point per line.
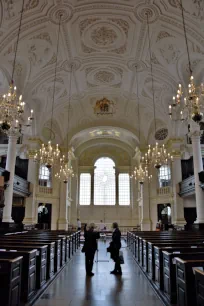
x=66, y=170
x=49, y=154
x=189, y=102
x=156, y=155
x=11, y=104
x=140, y=173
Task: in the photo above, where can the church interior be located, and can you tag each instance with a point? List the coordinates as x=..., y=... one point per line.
x=101, y=133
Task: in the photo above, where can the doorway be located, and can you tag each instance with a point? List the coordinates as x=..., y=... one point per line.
x=44, y=215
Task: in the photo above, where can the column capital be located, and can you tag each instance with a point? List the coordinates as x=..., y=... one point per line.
x=195, y=134
x=13, y=138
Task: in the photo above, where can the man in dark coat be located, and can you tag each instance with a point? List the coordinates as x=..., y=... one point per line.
x=90, y=247
x=115, y=246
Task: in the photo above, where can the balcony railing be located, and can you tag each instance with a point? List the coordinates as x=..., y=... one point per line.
x=45, y=190
x=20, y=186
x=164, y=191
x=187, y=186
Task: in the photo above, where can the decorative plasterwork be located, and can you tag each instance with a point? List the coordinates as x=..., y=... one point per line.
x=143, y=10
x=65, y=10
x=104, y=35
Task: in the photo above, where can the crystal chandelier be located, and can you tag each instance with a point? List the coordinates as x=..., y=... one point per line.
x=66, y=171
x=156, y=155
x=189, y=102
x=141, y=174
x=11, y=104
x=49, y=154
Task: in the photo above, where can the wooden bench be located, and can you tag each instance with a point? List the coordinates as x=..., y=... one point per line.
x=199, y=284
x=10, y=281
x=186, y=292
x=50, y=251
x=41, y=260
x=169, y=269
x=28, y=273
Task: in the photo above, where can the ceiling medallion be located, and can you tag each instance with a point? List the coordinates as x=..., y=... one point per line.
x=142, y=10
x=104, y=107
x=65, y=11
x=103, y=36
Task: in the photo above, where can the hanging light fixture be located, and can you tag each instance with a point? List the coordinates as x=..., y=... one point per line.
x=140, y=173
x=156, y=155
x=11, y=104
x=66, y=171
x=49, y=155
x=189, y=102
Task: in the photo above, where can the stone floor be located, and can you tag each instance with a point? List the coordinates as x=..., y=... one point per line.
x=73, y=288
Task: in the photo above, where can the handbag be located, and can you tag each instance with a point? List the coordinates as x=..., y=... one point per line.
x=121, y=258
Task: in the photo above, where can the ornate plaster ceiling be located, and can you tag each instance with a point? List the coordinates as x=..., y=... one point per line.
x=103, y=40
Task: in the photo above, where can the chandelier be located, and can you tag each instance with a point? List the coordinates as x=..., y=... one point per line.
x=66, y=171
x=141, y=174
x=49, y=154
x=189, y=102
x=156, y=155
x=11, y=104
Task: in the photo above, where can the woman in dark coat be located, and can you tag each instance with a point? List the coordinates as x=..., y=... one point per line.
x=90, y=247
x=115, y=246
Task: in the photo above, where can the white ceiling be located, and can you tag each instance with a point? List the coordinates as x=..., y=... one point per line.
x=104, y=40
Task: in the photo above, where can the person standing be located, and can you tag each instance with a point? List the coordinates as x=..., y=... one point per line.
x=115, y=246
x=90, y=247
x=78, y=224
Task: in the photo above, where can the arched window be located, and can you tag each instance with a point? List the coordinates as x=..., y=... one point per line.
x=85, y=189
x=164, y=176
x=104, y=182
x=45, y=177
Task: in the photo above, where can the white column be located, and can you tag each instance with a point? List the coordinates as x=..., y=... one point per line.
x=62, y=221
x=10, y=166
x=145, y=207
x=198, y=167
x=30, y=204
x=178, y=205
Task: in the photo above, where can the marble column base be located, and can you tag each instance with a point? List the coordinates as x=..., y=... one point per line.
x=62, y=224
x=146, y=225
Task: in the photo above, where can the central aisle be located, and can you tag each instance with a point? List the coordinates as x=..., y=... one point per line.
x=73, y=288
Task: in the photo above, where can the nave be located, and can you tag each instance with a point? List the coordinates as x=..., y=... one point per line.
x=73, y=288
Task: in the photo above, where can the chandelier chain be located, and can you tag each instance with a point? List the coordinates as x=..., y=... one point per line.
x=186, y=40
x=151, y=69
x=17, y=42
x=55, y=75
x=69, y=104
x=138, y=99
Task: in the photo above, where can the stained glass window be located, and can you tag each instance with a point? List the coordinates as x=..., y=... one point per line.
x=104, y=182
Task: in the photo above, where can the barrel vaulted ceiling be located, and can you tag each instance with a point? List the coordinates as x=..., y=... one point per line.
x=104, y=41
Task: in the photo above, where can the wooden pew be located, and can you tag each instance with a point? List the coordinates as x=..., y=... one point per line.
x=28, y=273
x=50, y=251
x=199, y=284
x=151, y=253
x=41, y=260
x=186, y=292
x=169, y=269
x=10, y=281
